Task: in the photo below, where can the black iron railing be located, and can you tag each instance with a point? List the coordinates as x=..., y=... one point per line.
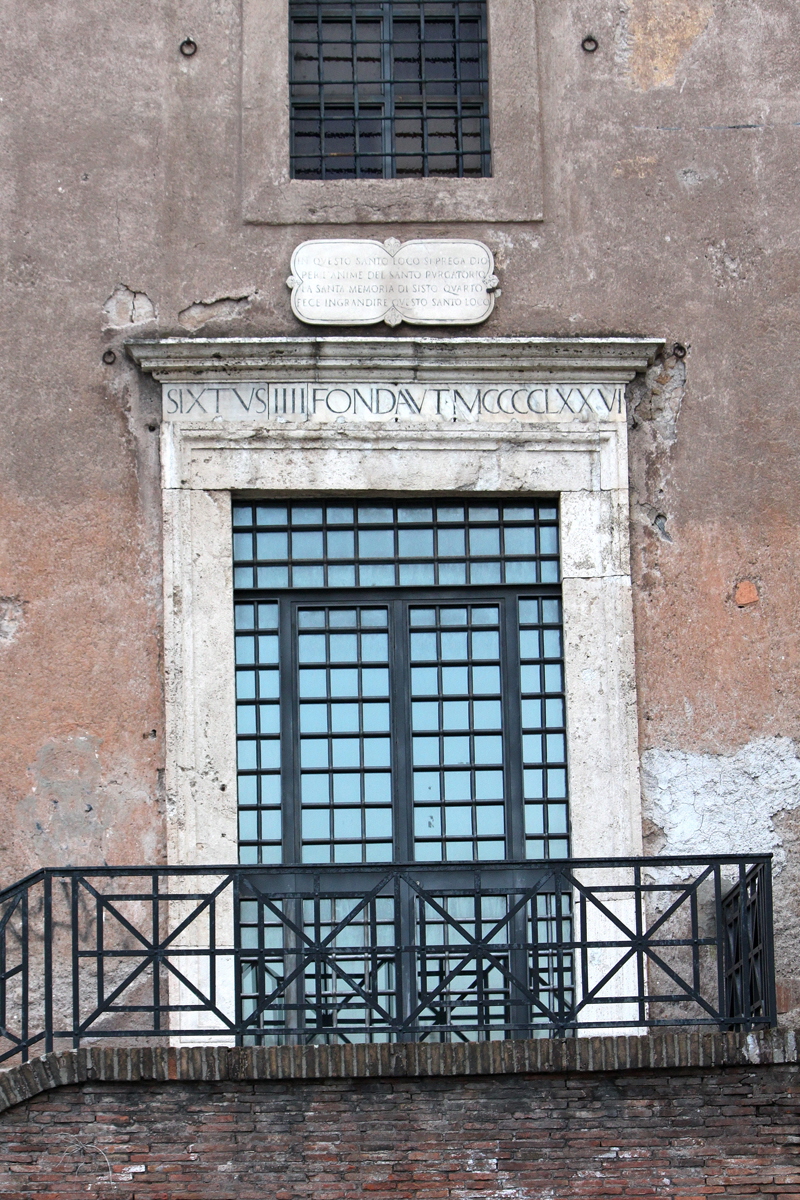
x=266, y=955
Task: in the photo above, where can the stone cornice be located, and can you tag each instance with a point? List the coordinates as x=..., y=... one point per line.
x=428, y=359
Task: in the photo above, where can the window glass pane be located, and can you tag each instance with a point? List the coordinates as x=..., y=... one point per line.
x=325, y=725
x=449, y=786
x=331, y=545
x=345, y=753
x=546, y=824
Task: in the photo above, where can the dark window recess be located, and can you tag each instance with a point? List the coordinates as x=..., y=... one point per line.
x=400, y=682
x=388, y=90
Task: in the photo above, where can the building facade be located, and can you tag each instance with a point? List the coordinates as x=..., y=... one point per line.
x=397, y=609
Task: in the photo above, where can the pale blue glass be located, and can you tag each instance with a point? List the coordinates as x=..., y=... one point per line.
x=274, y=546
x=245, y=650
x=485, y=643
x=306, y=515
x=486, y=681
x=347, y=823
x=416, y=575
x=533, y=784
x=454, y=681
x=341, y=543
x=377, y=752
x=490, y=820
x=246, y=756
x=377, y=788
x=376, y=543
x=346, y=789
x=457, y=785
x=345, y=718
x=313, y=752
x=316, y=823
x=245, y=685
x=454, y=644
x=458, y=821
x=425, y=751
x=269, y=754
x=242, y=547
x=488, y=749
x=376, y=718
x=344, y=681
x=246, y=718
x=304, y=545
x=415, y=543
x=486, y=714
x=315, y=789
x=311, y=647
x=455, y=714
x=489, y=785
x=267, y=648
x=343, y=647
x=427, y=821
x=313, y=718
x=271, y=514
x=374, y=647
x=308, y=577
x=346, y=752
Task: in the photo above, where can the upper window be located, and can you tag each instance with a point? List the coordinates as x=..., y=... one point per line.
x=400, y=684
x=389, y=89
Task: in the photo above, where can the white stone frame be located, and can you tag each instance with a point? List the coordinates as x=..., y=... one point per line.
x=582, y=458
x=271, y=197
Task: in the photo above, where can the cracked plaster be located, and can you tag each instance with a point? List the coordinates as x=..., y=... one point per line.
x=721, y=803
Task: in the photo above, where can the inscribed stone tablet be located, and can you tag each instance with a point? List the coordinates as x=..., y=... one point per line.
x=362, y=282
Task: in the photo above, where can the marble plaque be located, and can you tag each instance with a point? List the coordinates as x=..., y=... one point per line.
x=361, y=282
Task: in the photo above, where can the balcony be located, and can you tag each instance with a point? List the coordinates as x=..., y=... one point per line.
x=415, y=952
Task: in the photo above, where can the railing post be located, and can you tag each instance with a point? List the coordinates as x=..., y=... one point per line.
x=47, y=898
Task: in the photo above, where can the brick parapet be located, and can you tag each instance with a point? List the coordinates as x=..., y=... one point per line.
x=131, y=1064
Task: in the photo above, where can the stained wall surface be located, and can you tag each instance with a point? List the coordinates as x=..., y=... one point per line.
x=670, y=179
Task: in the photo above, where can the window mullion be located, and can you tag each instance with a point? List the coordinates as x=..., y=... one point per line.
x=399, y=675
x=290, y=724
x=512, y=728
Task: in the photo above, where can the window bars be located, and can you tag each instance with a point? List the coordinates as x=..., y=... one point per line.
x=374, y=953
x=392, y=89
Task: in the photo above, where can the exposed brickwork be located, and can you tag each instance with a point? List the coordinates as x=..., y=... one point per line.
x=201, y=1125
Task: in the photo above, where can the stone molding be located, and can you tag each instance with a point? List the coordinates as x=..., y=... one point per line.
x=674, y=1050
x=426, y=359
x=513, y=191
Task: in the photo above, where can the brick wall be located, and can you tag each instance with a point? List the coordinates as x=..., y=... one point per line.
x=673, y=1131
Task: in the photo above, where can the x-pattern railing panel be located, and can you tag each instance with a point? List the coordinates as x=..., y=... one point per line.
x=407, y=952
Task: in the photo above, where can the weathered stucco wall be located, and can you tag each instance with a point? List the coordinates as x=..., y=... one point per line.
x=670, y=182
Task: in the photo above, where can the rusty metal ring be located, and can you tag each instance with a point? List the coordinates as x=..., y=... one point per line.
x=679, y=351
x=188, y=47
x=590, y=44
x=109, y=357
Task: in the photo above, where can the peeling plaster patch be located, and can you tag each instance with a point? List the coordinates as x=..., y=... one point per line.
x=127, y=307
x=12, y=612
x=722, y=803
x=655, y=406
x=222, y=308
x=652, y=37
x=725, y=267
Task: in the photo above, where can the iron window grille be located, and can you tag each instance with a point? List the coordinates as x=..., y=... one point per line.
x=392, y=89
x=400, y=682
